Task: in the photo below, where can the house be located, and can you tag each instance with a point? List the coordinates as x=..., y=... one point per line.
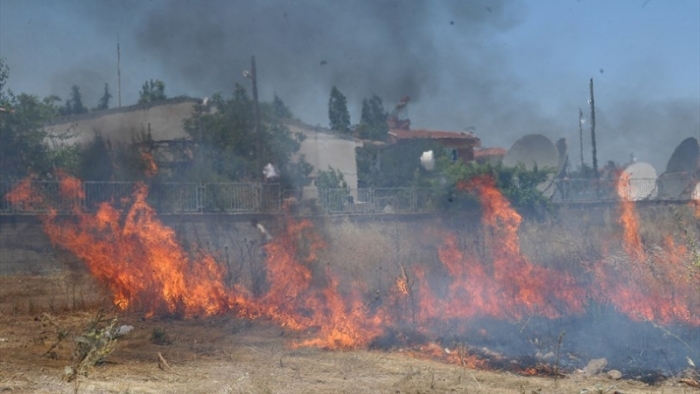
x=459, y=145
x=324, y=148
x=491, y=156
x=163, y=121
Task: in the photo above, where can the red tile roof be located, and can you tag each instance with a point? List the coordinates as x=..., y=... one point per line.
x=487, y=152
x=400, y=134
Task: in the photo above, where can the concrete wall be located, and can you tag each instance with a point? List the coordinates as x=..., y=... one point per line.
x=323, y=148
x=164, y=120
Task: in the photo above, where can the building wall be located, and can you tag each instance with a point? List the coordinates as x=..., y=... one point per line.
x=323, y=148
x=165, y=121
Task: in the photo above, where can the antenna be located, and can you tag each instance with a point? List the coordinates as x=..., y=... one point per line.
x=119, y=73
x=595, y=152
x=580, y=135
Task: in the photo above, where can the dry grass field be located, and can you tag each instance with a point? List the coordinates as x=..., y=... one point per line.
x=228, y=355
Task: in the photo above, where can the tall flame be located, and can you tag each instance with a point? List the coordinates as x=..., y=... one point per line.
x=509, y=286
x=628, y=219
x=136, y=256
x=140, y=260
x=151, y=168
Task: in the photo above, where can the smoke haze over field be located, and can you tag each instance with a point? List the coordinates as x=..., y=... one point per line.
x=505, y=67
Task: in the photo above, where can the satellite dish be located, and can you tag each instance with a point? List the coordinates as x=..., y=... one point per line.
x=679, y=180
x=642, y=182
x=686, y=157
x=535, y=150
x=532, y=150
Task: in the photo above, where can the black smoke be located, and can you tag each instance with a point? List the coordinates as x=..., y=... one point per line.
x=449, y=56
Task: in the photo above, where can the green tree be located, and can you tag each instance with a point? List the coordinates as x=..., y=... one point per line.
x=227, y=149
x=338, y=111
x=103, y=102
x=280, y=108
x=76, y=101
x=331, y=179
x=96, y=160
x=66, y=109
x=393, y=165
x=25, y=146
x=373, y=125
x=518, y=184
x=152, y=90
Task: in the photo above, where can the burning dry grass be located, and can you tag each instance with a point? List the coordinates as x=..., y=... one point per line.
x=431, y=293
x=222, y=354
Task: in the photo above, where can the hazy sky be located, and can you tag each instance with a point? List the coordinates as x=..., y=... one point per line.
x=504, y=67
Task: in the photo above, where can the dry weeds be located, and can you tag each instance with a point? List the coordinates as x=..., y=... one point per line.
x=226, y=355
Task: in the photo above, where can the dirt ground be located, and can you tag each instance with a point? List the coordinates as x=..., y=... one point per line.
x=226, y=355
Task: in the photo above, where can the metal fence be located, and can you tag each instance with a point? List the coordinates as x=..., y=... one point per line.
x=669, y=187
x=168, y=198
x=239, y=198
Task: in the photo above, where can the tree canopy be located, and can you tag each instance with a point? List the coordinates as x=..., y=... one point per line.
x=152, y=90
x=373, y=125
x=227, y=144
x=24, y=144
x=338, y=114
x=103, y=102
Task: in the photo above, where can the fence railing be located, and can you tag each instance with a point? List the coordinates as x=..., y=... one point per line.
x=240, y=198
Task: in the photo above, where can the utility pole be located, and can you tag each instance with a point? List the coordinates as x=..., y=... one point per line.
x=119, y=74
x=580, y=135
x=595, y=152
x=254, y=77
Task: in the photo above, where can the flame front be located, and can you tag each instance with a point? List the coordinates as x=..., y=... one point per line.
x=140, y=260
x=628, y=219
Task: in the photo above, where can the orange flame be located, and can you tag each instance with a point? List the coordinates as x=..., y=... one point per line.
x=660, y=288
x=151, y=167
x=139, y=259
x=628, y=219
x=516, y=286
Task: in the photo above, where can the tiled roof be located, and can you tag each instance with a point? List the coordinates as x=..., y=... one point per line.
x=400, y=134
x=489, y=152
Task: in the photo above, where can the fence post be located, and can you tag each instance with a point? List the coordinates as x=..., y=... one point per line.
x=414, y=199
x=200, y=195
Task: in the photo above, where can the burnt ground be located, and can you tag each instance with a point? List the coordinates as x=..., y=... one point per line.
x=228, y=355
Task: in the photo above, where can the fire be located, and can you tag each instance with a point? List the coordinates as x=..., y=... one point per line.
x=512, y=286
x=657, y=287
x=342, y=322
x=141, y=262
x=458, y=356
x=136, y=256
x=151, y=168
x=628, y=219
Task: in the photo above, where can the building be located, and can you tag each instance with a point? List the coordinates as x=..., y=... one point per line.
x=164, y=121
x=324, y=148
x=459, y=145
